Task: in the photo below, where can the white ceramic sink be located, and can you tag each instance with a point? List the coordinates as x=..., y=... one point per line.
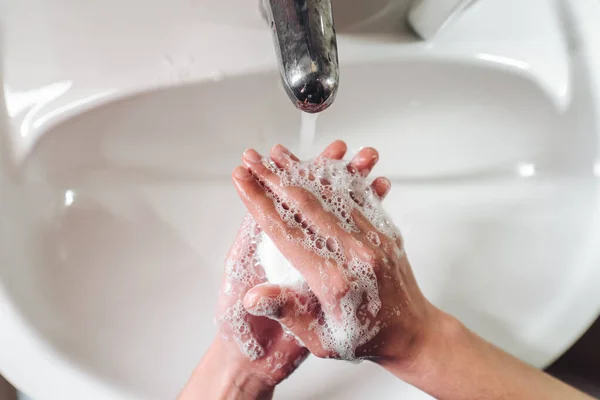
x=117, y=209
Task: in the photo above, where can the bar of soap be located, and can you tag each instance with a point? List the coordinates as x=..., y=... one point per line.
x=277, y=268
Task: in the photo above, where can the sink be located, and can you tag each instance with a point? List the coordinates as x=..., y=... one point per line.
x=117, y=212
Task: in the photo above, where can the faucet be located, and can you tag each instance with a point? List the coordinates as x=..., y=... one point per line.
x=306, y=46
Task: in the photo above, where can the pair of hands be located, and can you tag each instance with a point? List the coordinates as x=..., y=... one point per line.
x=251, y=312
x=399, y=328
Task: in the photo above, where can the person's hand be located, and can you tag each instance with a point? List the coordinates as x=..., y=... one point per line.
x=364, y=301
x=360, y=299
x=252, y=353
x=257, y=342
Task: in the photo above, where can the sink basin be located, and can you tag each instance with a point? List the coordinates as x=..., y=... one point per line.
x=118, y=213
x=123, y=203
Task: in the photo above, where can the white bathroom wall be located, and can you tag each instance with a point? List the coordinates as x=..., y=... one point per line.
x=354, y=16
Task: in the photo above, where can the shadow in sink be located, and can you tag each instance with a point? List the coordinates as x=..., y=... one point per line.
x=132, y=206
x=120, y=285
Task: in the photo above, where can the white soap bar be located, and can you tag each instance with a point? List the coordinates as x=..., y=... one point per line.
x=277, y=268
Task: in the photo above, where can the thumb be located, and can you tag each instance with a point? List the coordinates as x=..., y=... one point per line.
x=282, y=303
x=295, y=308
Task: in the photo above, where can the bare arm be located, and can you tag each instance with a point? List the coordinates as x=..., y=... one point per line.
x=223, y=375
x=455, y=363
x=391, y=323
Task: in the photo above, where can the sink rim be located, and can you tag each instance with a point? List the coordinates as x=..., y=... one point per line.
x=72, y=99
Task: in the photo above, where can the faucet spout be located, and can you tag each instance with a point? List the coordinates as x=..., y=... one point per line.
x=306, y=47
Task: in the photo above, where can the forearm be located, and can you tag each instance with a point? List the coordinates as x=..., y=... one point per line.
x=458, y=364
x=219, y=377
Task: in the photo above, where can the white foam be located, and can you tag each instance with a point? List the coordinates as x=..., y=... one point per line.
x=240, y=266
x=354, y=320
x=240, y=275
x=373, y=237
x=236, y=317
x=342, y=193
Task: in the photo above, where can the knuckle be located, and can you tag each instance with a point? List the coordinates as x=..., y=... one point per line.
x=288, y=320
x=340, y=289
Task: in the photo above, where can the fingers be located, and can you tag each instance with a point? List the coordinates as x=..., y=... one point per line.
x=243, y=244
x=381, y=187
x=287, y=239
x=297, y=310
x=254, y=162
x=335, y=151
x=282, y=156
x=260, y=206
x=309, y=212
x=364, y=161
x=295, y=219
x=241, y=273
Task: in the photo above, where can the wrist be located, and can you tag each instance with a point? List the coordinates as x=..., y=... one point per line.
x=440, y=337
x=223, y=373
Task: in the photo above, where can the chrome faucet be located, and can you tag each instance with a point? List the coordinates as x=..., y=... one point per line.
x=306, y=48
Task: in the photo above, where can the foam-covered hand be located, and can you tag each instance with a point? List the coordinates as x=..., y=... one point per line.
x=327, y=221
x=260, y=342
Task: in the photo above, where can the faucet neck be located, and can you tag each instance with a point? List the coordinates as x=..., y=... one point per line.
x=306, y=47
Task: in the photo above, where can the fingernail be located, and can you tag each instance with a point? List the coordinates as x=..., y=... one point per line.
x=252, y=156
x=251, y=300
x=242, y=174
x=371, y=155
x=281, y=150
